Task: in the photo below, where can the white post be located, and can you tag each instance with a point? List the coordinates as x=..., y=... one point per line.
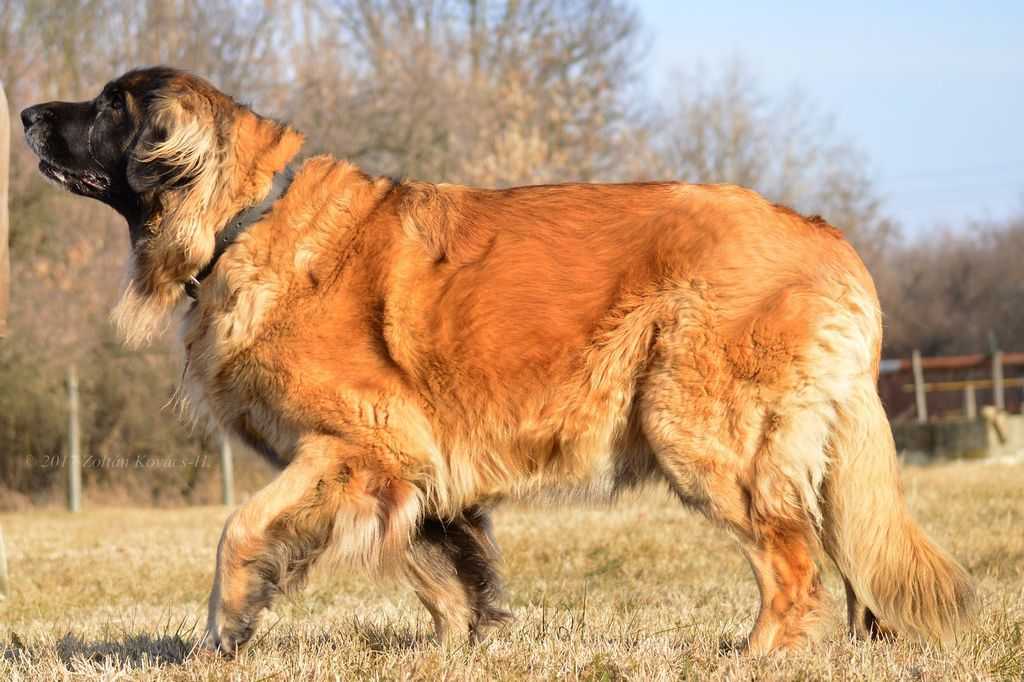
x=970, y=402
x=997, y=380
x=922, y=403
x=227, y=471
x=4, y=586
x=74, y=444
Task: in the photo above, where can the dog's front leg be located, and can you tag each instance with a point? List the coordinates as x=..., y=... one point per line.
x=334, y=493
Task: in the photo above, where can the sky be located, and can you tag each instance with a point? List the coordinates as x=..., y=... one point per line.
x=931, y=92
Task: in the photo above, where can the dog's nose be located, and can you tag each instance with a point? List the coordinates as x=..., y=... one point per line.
x=33, y=115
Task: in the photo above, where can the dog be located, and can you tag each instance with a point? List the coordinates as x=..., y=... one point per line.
x=413, y=354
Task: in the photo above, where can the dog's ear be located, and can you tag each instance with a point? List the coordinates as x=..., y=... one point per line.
x=145, y=173
x=174, y=146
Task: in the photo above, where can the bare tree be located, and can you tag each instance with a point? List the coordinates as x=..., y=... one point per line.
x=959, y=292
x=723, y=128
x=466, y=90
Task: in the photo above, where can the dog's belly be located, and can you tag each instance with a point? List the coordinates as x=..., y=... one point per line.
x=456, y=463
x=260, y=426
x=252, y=434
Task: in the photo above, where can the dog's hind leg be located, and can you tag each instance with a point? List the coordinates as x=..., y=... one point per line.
x=781, y=550
x=862, y=621
x=452, y=566
x=333, y=493
x=792, y=596
x=745, y=471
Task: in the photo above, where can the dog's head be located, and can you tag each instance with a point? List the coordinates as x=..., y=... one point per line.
x=162, y=147
x=148, y=133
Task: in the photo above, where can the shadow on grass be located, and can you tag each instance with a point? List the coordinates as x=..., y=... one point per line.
x=381, y=638
x=126, y=652
x=131, y=651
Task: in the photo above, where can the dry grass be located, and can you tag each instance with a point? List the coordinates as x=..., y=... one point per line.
x=644, y=590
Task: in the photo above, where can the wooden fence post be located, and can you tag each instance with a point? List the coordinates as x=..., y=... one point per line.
x=74, y=444
x=922, y=403
x=4, y=586
x=5, y=270
x=997, y=380
x=970, y=402
x=227, y=471
x=5, y=161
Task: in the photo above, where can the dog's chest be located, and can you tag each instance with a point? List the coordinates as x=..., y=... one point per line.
x=274, y=373
x=242, y=387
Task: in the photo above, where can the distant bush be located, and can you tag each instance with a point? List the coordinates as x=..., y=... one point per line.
x=135, y=448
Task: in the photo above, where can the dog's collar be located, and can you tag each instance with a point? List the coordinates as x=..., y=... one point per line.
x=241, y=222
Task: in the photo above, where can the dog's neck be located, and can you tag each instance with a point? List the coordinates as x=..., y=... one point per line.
x=227, y=235
x=260, y=148
x=263, y=154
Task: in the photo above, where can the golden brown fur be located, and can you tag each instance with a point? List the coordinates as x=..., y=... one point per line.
x=415, y=351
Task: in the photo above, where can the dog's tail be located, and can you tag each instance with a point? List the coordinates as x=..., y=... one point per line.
x=908, y=582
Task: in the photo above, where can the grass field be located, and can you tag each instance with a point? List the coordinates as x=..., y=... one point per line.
x=644, y=590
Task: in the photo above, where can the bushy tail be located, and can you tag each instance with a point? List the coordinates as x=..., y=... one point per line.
x=907, y=581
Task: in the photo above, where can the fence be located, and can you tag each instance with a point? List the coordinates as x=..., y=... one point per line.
x=985, y=373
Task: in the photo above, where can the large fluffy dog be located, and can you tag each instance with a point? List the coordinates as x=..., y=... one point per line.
x=415, y=353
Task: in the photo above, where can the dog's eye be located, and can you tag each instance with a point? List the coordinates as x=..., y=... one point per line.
x=117, y=101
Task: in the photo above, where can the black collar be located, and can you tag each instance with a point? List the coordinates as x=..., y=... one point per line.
x=241, y=222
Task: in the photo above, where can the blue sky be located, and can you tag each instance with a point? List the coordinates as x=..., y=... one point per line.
x=932, y=92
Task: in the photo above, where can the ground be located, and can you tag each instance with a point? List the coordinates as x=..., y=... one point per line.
x=642, y=590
